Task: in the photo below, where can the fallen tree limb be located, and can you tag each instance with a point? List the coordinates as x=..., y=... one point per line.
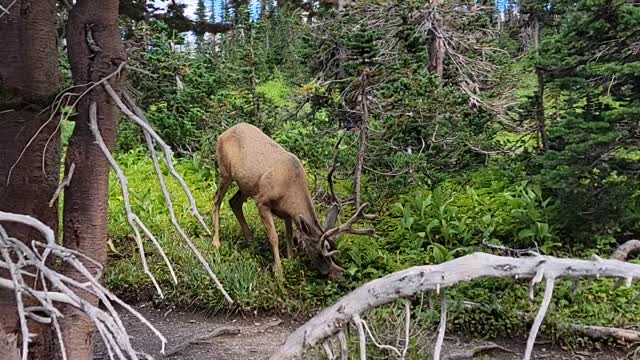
x=419, y=279
x=603, y=332
x=627, y=250
x=471, y=353
x=221, y=331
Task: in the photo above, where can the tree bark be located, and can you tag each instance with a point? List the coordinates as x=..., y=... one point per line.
x=540, y=118
x=85, y=207
x=362, y=142
x=28, y=81
x=436, y=49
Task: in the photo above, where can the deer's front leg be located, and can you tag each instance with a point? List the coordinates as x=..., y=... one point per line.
x=267, y=220
x=223, y=185
x=288, y=233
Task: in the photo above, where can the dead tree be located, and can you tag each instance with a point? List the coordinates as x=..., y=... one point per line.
x=334, y=320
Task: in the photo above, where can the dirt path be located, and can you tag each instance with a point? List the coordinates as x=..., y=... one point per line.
x=259, y=336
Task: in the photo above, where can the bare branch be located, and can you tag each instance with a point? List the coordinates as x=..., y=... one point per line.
x=169, y=204
x=348, y=226
x=419, y=279
x=442, y=327
x=548, y=293
x=132, y=218
x=65, y=182
x=67, y=291
x=626, y=250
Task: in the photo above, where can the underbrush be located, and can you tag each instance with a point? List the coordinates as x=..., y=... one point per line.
x=429, y=226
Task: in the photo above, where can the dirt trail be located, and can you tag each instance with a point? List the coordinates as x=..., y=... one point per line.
x=259, y=338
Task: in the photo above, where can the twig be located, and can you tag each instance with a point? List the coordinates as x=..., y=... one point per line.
x=65, y=182
x=471, y=353
x=221, y=331
x=548, y=293
x=442, y=327
x=362, y=337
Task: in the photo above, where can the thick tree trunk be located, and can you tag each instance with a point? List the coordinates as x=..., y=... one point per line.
x=28, y=81
x=85, y=207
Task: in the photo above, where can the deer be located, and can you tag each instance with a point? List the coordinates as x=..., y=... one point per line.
x=276, y=181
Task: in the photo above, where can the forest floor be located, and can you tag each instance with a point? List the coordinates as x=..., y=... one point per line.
x=257, y=337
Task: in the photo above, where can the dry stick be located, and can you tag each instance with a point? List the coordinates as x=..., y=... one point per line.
x=344, y=348
x=407, y=324
x=327, y=350
x=92, y=85
x=66, y=295
x=548, y=293
x=18, y=283
x=224, y=330
x=134, y=222
x=626, y=250
x=469, y=354
x=5, y=10
x=377, y=343
x=442, y=327
x=169, y=204
x=168, y=153
x=65, y=182
x=419, y=279
x=362, y=337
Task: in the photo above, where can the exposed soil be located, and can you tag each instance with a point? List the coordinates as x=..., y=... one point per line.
x=259, y=337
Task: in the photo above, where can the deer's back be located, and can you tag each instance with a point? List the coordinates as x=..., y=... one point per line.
x=253, y=160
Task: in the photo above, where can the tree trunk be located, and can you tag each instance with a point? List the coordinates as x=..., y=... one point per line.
x=540, y=118
x=362, y=143
x=28, y=82
x=85, y=207
x=436, y=49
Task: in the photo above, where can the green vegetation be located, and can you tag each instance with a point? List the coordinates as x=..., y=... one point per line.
x=444, y=177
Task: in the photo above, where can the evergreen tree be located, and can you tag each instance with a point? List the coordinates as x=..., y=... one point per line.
x=201, y=17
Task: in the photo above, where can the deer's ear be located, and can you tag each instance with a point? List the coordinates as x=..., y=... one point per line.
x=332, y=216
x=303, y=225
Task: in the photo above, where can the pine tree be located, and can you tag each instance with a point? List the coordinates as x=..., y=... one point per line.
x=201, y=17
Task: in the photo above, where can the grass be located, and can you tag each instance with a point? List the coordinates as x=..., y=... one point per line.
x=245, y=268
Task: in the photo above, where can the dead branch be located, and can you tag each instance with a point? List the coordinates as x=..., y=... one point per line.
x=594, y=332
x=17, y=257
x=419, y=279
x=65, y=182
x=626, y=250
x=471, y=353
x=8, y=345
x=221, y=331
x=5, y=10
x=132, y=218
x=348, y=226
x=442, y=327
x=150, y=138
x=603, y=333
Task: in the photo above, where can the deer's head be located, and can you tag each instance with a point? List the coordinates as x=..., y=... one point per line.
x=319, y=243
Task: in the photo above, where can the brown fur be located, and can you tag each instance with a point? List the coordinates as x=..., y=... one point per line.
x=276, y=180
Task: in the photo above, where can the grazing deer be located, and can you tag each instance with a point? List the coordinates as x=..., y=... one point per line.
x=276, y=181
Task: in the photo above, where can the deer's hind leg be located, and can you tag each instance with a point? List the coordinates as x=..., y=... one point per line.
x=236, y=203
x=223, y=185
x=272, y=235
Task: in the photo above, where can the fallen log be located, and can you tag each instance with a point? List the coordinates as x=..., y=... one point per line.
x=409, y=282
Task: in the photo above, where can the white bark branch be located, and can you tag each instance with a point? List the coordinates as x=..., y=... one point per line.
x=419, y=279
x=16, y=255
